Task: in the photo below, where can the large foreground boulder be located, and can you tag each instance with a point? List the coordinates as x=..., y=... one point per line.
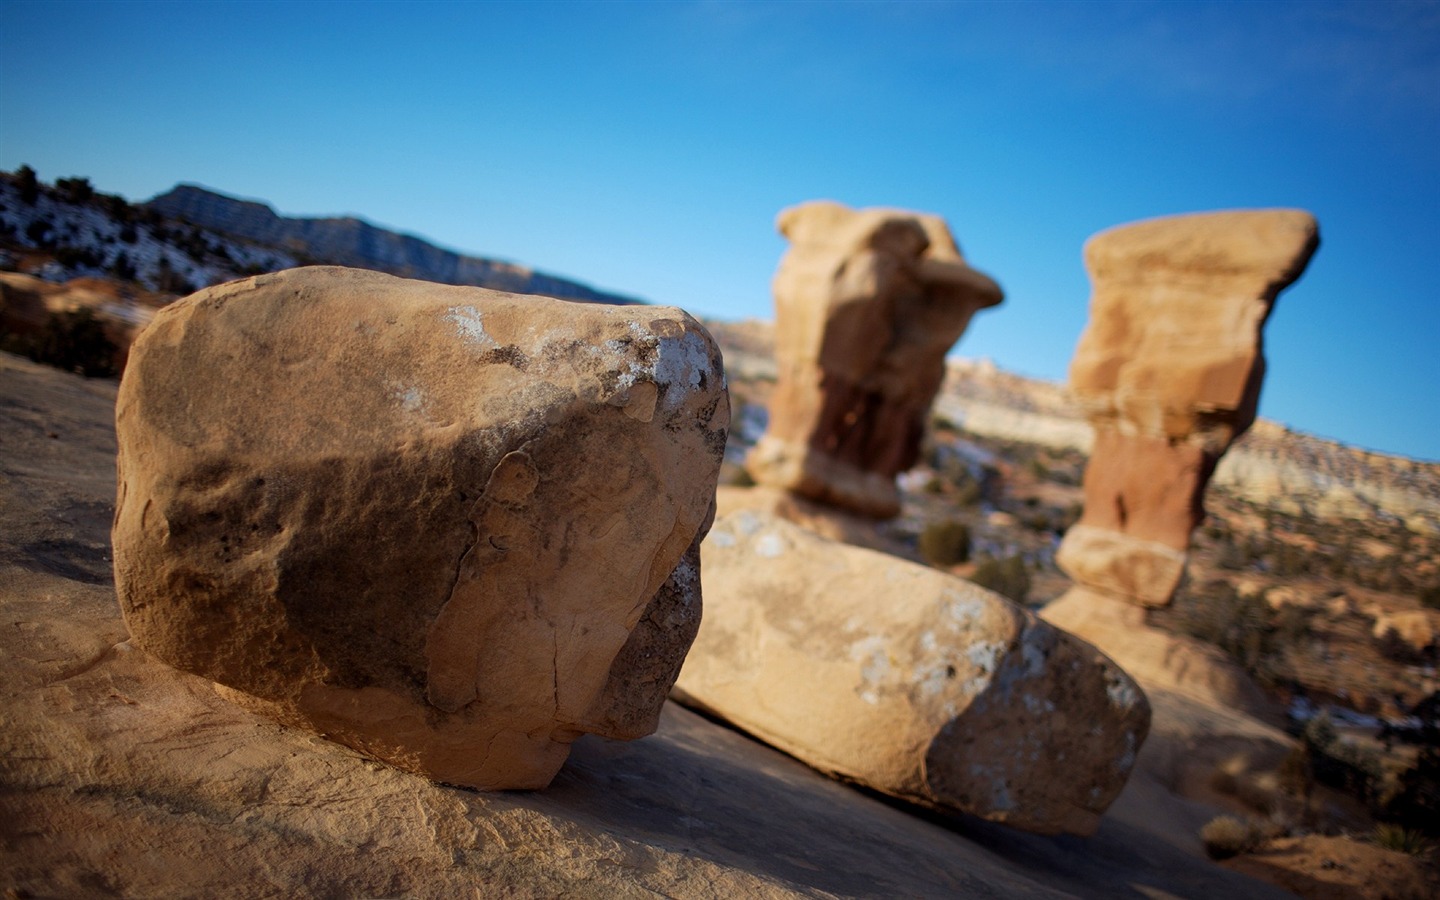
x=867, y=303
x=449, y=527
x=907, y=680
x=1169, y=372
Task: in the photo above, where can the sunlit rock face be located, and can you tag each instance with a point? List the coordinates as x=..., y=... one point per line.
x=908, y=680
x=867, y=302
x=449, y=527
x=1169, y=370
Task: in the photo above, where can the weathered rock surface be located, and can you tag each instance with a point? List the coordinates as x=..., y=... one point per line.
x=907, y=680
x=1169, y=372
x=867, y=302
x=448, y=527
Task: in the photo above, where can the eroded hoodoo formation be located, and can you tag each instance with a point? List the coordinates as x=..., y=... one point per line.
x=1169, y=372
x=867, y=303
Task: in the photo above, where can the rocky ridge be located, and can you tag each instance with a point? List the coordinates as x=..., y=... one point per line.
x=190, y=237
x=351, y=241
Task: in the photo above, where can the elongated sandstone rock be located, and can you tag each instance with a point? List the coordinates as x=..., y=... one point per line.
x=867, y=303
x=449, y=527
x=908, y=680
x=1169, y=371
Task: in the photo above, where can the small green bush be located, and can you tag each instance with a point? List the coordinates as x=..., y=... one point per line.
x=74, y=341
x=1227, y=836
x=1430, y=596
x=945, y=543
x=1245, y=627
x=1403, y=840
x=1006, y=576
x=735, y=475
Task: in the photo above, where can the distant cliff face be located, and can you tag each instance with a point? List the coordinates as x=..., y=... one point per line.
x=353, y=242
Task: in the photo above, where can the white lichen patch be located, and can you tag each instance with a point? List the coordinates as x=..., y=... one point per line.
x=411, y=399
x=678, y=365
x=681, y=365
x=1127, y=759
x=985, y=655
x=468, y=325
x=1121, y=692
x=963, y=611
x=1031, y=653
x=746, y=522
x=874, y=658
x=686, y=577
x=931, y=681
x=770, y=545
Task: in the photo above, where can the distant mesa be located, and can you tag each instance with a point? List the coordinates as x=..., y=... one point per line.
x=456, y=534
x=354, y=242
x=867, y=303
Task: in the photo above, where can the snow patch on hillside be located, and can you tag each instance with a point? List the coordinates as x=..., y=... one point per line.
x=164, y=255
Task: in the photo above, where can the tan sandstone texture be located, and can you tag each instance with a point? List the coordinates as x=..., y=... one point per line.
x=449, y=527
x=867, y=302
x=1169, y=372
x=908, y=680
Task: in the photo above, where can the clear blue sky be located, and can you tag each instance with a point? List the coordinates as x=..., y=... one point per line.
x=646, y=147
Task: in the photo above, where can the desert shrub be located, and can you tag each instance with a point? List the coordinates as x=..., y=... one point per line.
x=28, y=184
x=1227, y=836
x=122, y=268
x=77, y=257
x=168, y=281
x=1236, y=555
x=1006, y=576
x=1430, y=596
x=1355, y=770
x=74, y=341
x=735, y=475
x=1297, y=773
x=945, y=543
x=38, y=231
x=1244, y=627
x=953, y=475
x=1319, y=734
x=1400, y=839
x=1413, y=798
x=74, y=190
